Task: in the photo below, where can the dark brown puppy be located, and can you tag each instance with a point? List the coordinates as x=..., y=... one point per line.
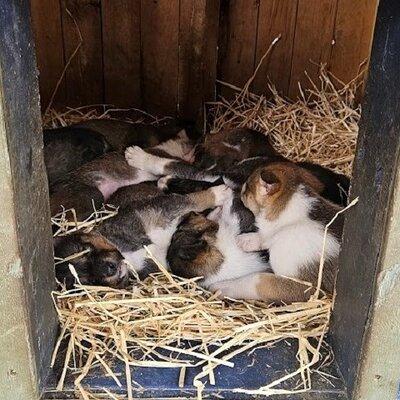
x=66, y=149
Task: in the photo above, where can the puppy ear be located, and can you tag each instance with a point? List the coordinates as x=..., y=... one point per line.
x=270, y=183
x=182, y=135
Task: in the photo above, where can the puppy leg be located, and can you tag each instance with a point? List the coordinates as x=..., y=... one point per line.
x=264, y=286
x=138, y=158
x=210, y=198
x=250, y=242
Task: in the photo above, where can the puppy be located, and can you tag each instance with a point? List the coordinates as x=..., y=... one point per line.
x=206, y=246
x=146, y=222
x=66, y=149
x=290, y=216
x=93, y=183
x=333, y=186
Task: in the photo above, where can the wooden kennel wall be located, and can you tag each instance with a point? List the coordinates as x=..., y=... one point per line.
x=165, y=55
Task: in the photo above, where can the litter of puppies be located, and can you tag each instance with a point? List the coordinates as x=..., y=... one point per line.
x=164, y=311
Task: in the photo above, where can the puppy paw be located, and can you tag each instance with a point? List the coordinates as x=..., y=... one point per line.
x=224, y=289
x=162, y=183
x=136, y=157
x=249, y=242
x=222, y=194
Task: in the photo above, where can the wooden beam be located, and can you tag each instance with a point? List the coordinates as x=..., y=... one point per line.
x=366, y=226
x=28, y=321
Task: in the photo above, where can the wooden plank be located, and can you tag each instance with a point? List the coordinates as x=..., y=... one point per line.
x=237, y=48
x=366, y=225
x=121, y=47
x=84, y=76
x=353, y=37
x=198, y=41
x=28, y=325
x=159, y=33
x=276, y=17
x=46, y=22
x=312, y=42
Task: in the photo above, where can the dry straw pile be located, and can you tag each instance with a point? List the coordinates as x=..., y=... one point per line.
x=163, y=312
x=139, y=325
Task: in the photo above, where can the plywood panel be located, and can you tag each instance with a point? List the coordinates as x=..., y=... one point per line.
x=353, y=36
x=237, y=48
x=276, y=17
x=159, y=37
x=198, y=41
x=84, y=77
x=313, y=40
x=46, y=24
x=121, y=47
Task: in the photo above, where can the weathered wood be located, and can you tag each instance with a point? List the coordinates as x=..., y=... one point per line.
x=28, y=321
x=121, y=47
x=276, y=17
x=354, y=28
x=198, y=41
x=238, y=39
x=46, y=21
x=312, y=42
x=159, y=36
x=376, y=161
x=84, y=77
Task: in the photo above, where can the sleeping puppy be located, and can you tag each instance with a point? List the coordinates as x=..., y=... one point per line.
x=291, y=217
x=93, y=183
x=175, y=173
x=147, y=221
x=68, y=148
x=206, y=246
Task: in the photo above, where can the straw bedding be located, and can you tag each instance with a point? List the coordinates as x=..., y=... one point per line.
x=141, y=324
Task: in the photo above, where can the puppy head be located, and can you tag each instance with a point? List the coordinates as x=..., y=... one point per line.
x=269, y=189
x=230, y=146
x=192, y=251
x=97, y=261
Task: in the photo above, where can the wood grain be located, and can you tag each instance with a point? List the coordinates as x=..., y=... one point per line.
x=47, y=28
x=276, y=17
x=353, y=37
x=84, y=77
x=121, y=52
x=198, y=41
x=159, y=33
x=237, y=47
x=313, y=41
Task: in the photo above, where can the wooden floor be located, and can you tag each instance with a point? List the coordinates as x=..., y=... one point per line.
x=252, y=370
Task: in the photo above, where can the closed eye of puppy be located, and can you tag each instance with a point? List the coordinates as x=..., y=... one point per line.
x=100, y=263
x=291, y=217
x=148, y=222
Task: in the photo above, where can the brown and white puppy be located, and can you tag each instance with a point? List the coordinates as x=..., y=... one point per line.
x=93, y=183
x=230, y=164
x=206, y=246
x=291, y=217
x=148, y=222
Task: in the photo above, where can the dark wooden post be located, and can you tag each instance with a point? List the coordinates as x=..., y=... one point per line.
x=28, y=323
x=375, y=166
